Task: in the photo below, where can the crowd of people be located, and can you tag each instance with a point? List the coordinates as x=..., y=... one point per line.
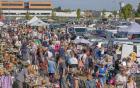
x=43, y=58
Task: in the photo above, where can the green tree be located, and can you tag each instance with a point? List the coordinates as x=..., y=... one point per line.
x=137, y=14
x=115, y=13
x=53, y=15
x=1, y=14
x=67, y=10
x=27, y=16
x=138, y=9
x=58, y=9
x=110, y=16
x=78, y=12
x=126, y=11
x=103, y=13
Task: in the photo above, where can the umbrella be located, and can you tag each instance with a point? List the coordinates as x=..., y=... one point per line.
x=134, y=28
x=84, y=41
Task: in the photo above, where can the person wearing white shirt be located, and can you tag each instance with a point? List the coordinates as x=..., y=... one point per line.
x=73, y=62
x=121, y=79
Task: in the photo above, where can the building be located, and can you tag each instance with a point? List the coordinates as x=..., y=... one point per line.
x=107, y=14
x=20, y=8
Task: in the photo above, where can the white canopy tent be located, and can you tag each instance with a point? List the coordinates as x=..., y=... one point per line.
x=1, y=24
x=34, y=19
x=36, y=22
x=39, y=23
x=84, y=41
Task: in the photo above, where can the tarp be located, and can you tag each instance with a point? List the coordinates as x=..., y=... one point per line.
x=84, y=41
x=134, y=28
x=1, y=24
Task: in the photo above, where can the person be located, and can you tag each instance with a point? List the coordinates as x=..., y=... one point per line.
x=6, y=80
x=33, y=51
x=102, y=73
x=1, y=76
x=51, y=69
x=116, y=65
x=62, y=51
x=97, y=52
x=76, y=80
x=88, y=62
x=47, y=53
x=21, y=76
x=121, y=79
x=70, y=80
x=61, y=70
x=133, y=56
x=90, y=82
x=131, y=82
x=73, y=62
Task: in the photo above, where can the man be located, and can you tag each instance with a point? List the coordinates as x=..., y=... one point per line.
x=121, y=78
x=21, y=76
x=61, y=70
x=47, y=53
x=90, y=82
x=24, y=52
x=51, y=69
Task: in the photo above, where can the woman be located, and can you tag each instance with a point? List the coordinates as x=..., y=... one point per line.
x=40, y=56
x=73, y=62
x=131, y=83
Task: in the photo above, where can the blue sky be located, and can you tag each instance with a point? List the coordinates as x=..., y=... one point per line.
x=91, y=4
